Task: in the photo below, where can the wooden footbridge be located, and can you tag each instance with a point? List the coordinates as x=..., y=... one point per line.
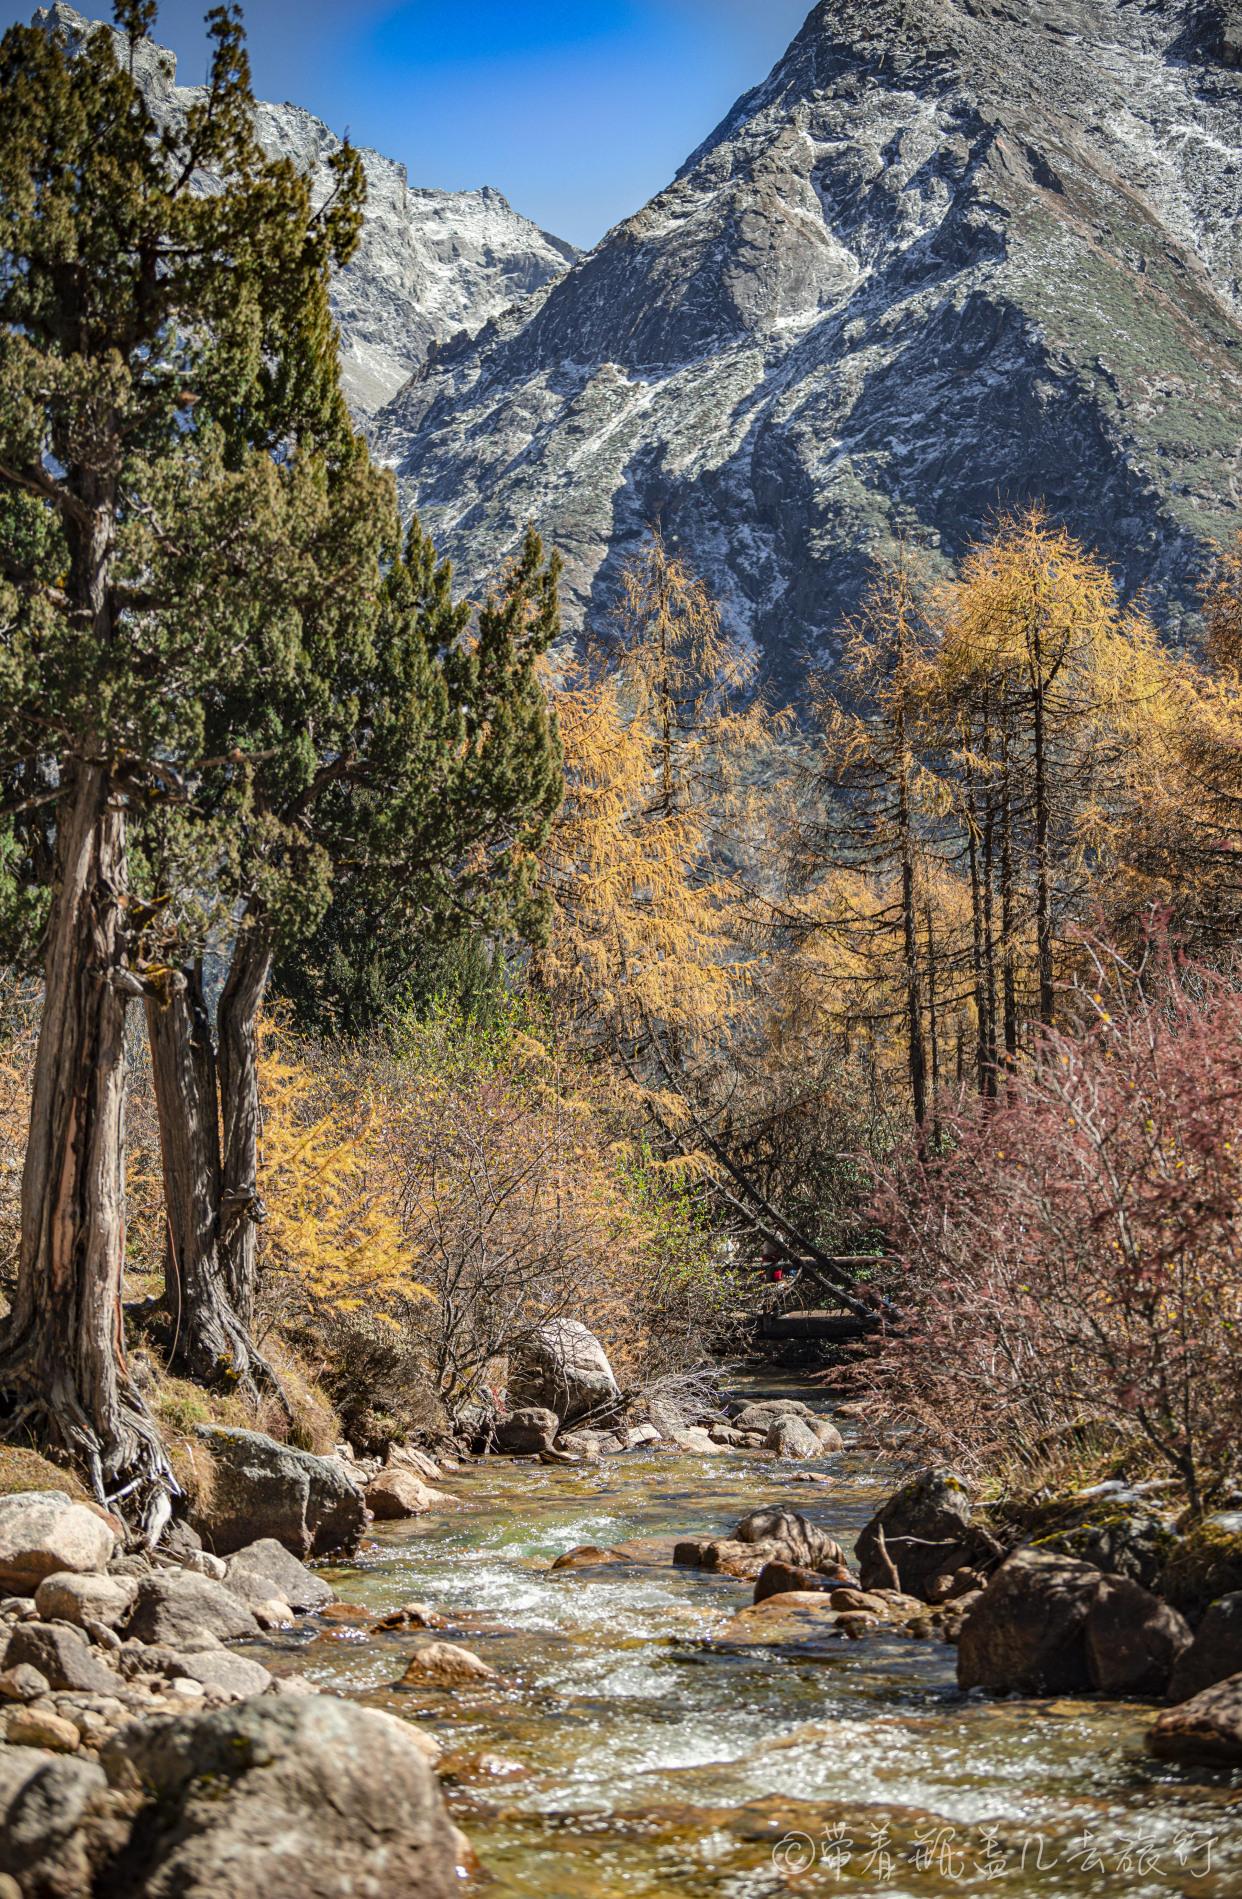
x=806, y=1302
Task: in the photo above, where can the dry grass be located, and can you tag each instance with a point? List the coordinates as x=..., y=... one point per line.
x=23, y=1469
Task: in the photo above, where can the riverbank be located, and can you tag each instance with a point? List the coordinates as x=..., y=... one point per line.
x=624, y=1753
x=629, y=1727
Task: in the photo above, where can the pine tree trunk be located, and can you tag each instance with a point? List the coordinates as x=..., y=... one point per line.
x=62, y=1364
x=209, y=1340
x=241, y=1209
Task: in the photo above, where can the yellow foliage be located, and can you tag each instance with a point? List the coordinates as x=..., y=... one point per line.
x=332, y=1231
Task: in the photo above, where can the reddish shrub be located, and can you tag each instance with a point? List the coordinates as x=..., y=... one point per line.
x=1076, y=1251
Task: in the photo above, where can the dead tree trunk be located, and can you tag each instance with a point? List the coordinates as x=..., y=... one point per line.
x=62, y=1363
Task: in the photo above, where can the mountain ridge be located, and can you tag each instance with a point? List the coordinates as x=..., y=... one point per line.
x=430, y=264
x=947, y=258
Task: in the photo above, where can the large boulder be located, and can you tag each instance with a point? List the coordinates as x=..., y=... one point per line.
x=527, y=1431
x=62, y=1655
x=793, y=1437
x=1206, y=1730
x=1216, y=1652
x=180, y=1608
x=261, y=1489
x=926, y=1531
x=300, y=1798
x=1134, y=1641
x=271, y=1562
x=1027, y=1633
x=45, y=1531
x=563, y=1368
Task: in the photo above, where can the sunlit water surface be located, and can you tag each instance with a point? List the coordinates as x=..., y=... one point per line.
x=623, y=1754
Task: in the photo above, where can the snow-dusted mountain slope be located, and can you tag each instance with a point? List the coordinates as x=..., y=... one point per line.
x=430, y=264
x=951, y=256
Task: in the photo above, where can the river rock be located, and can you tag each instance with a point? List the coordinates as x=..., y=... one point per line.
x=40, y=1727
x=763, y=1414
x=399, y=1493
x=1215, y=1653
x=1134, y=1641
x=527, y=1431
x=50, y=1804
x=792, y=1437
x=1206, y=1730
x=830, y=1438
x=23, y=1682
x=177, y=1607
x=43, y=1532
x=300, y=1798
x=584, y=1445
x=789, y=1537
x=67, y=1597
x=261, y=1597
x=784, y=1579
x=1027, y=1633
x=927, y=1531
x=219, y=1668
x=563, y=1368
x=801, y=1619
x=445, y=1665
x=269, y=1560
x=62, y=1654
x=261, y=1489
x=409, y=1457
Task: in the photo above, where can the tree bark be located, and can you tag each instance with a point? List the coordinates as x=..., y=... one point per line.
x=241, y=1208
x=62, y=1363
x=208, y=1339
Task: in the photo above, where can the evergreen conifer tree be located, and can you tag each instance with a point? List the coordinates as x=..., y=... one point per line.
x=156, y=340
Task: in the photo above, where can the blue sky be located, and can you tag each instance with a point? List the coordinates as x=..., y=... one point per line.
x=578, y=110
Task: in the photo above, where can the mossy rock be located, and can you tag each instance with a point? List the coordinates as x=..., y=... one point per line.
x=1206, y=1563
x=1121, y=1540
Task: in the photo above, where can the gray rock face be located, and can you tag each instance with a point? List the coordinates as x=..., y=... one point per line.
x=527, y=1431
x=293, y=1798
x=271, y=1562
x=430, y=264
x=178, y=1607
x=62, y=1655
x=563, y=1368
x=948, y=257
x=263, y=1489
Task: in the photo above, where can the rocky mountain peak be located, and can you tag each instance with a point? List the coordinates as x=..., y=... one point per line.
x=950, y=256
x=431, y=264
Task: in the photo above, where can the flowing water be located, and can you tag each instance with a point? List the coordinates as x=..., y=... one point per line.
x=627, y=1753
